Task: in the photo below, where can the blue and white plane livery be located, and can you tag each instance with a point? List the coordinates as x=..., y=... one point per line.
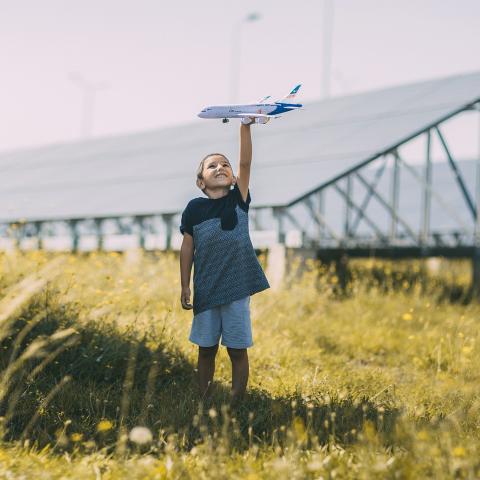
x=262, y=112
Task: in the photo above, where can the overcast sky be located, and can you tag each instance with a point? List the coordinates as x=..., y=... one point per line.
x=160, y=62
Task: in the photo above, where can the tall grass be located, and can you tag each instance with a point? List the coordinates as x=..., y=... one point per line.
x=374, y=375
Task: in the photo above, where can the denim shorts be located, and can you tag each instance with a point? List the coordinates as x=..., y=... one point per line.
x=230, y=321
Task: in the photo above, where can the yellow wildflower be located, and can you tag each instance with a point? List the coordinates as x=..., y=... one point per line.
x=423, y=435
x=76, y=437
x=459, y=452
x=104, y=426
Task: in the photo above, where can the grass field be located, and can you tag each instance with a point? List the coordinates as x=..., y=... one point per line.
x=98, y=380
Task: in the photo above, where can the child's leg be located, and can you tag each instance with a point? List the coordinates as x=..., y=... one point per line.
x=206, y=367
x=240, y=368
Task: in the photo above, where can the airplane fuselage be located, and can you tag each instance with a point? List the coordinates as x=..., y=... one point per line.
x=234, y=111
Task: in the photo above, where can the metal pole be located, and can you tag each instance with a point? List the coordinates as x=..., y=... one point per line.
x=99, y=228
x=38, y=232
x=73, y=224
x=348, y=210
x=327, y=47
x=168, y=220
x=321, y=211
x=140, y=221
x=427, y=195
x=235, y=61
x=89, y=91
x=278, y=213
x=237, y=54
x=256, y=219
x=458, y=175
x=394, y=198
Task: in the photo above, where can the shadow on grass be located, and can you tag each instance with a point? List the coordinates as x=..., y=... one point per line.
x=131, y=380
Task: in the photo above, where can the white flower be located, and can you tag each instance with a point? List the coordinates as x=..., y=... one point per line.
x=212, y=412
x=140, y=435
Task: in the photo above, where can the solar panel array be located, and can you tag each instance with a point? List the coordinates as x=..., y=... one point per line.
x=154, y=172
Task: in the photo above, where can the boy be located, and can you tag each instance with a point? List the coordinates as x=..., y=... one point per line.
x=227, y=272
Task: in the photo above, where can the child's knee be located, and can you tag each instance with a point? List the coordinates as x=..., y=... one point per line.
x=237, y=353
x=208, y=352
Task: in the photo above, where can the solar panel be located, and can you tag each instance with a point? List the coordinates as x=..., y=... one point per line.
x=154, y=172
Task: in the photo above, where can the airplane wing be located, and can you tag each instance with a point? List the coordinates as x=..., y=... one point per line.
x=254, y=115
x=263, y=99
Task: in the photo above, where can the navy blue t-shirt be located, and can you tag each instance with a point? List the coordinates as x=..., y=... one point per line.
x=226, y=267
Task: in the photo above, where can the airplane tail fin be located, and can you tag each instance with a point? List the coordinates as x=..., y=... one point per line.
x=292, y=94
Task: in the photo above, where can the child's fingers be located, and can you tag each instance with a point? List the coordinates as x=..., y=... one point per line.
x=186, y=302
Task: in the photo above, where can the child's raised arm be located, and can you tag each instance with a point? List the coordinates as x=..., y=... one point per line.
x=243, y=175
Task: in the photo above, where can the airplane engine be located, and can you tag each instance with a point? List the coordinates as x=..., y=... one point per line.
x=262, y=120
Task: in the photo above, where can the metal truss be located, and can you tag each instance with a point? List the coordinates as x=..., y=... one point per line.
x=398, y=232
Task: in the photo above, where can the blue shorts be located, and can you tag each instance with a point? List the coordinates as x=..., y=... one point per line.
x=231, y=321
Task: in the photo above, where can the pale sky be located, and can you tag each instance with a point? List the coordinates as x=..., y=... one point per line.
x=164, y=61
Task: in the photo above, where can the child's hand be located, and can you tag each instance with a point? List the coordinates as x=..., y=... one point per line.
x=185, y=298
x=248, y=120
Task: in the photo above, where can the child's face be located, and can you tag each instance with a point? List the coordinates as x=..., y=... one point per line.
x=217, y=172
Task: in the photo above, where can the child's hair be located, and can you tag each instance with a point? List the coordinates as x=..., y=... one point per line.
x=202, y=162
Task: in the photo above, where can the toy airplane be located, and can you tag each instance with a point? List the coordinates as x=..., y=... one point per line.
x=261, y=111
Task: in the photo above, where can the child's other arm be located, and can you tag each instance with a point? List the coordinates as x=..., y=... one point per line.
x=186, y=261
x=243, y=176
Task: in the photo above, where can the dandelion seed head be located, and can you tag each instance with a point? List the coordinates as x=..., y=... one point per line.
x=212, y=413
x=140, y=435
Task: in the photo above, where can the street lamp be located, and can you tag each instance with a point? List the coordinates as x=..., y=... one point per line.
x=89, y=91
x=327, y=47
x=236, y=53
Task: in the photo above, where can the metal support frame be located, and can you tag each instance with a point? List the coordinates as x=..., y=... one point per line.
x=168, y=221
x=386, y=205
x=348, y=204
x=434, y=194
x=427, y=194
x=368, y=196
x=124, y=225
x=458, y=175
x=140, y=223
x=295, y=222
x=355, y=209
x=394, y=196
x=38, y=233
x=278, y=213
x=99, y=230
x=255, y=218
x=321, y=211
x=352, y=204
x=73, y=225
x=320, y=219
